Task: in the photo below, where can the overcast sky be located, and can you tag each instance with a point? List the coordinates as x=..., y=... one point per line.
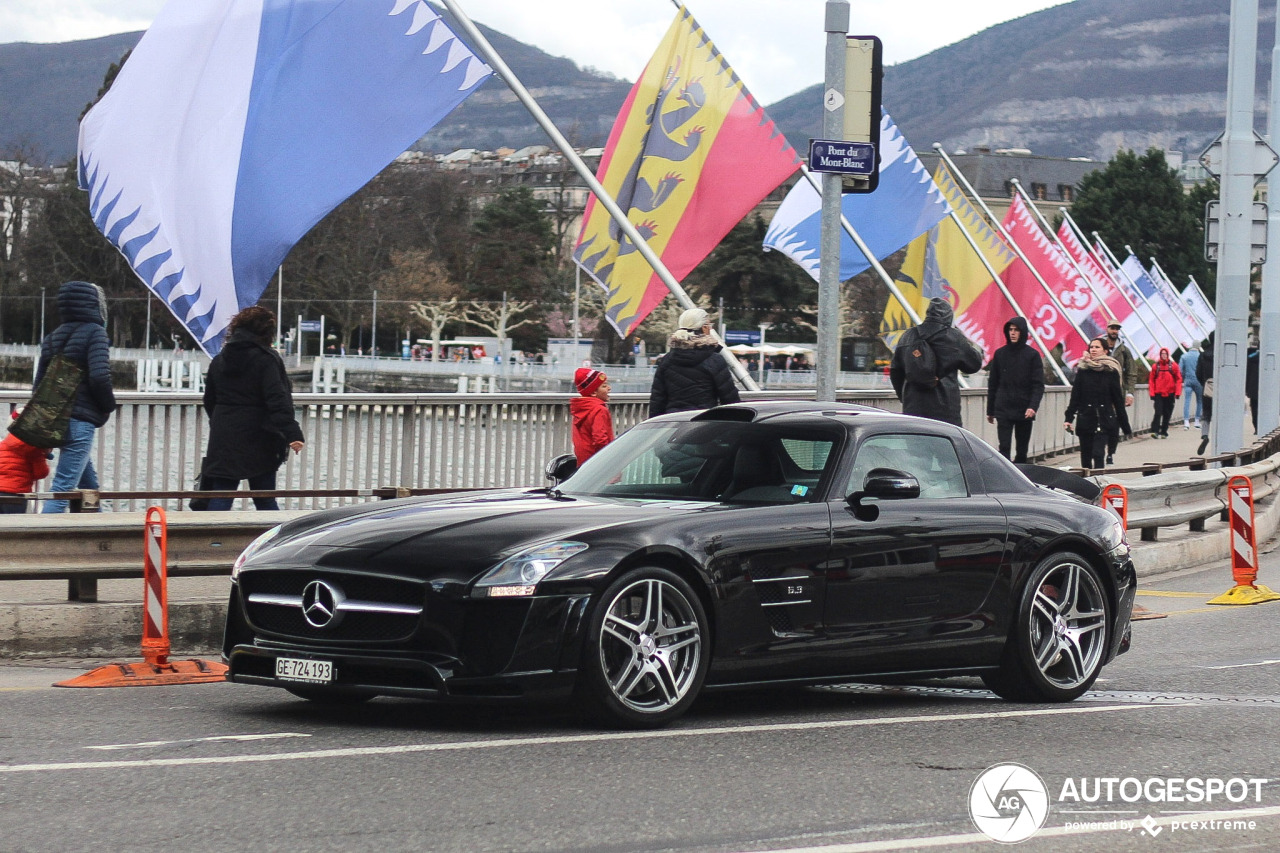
x=776, y=46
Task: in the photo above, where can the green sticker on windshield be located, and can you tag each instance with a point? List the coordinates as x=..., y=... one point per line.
x=800, y=491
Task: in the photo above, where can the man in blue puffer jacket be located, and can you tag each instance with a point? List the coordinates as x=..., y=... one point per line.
x=82, y=337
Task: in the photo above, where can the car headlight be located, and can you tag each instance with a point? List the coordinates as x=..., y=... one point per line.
x=254, y=547
x=519, y=574
x=1114, y=536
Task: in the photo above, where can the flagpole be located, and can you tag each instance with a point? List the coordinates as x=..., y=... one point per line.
x=1195, y=329
x=1078, y=269
x=1079, y=232
x=995, y=278
x=1115, y=262
x=481, y=44
x=964, y=182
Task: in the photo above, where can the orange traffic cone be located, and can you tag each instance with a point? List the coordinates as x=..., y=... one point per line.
x=155, y=668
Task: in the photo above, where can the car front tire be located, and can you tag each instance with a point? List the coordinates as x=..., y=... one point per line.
x=647, y=650
x=1059, y=637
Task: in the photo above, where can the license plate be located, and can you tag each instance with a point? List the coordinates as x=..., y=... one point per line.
x=300, y=669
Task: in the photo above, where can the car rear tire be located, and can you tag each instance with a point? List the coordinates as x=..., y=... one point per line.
x=332, y=698
x=647, y=650
x=1059, y=636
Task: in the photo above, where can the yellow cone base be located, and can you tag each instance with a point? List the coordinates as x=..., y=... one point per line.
x=1246, y=594
x=152, y=675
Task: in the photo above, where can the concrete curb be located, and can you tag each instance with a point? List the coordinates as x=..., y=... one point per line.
x=113, y=630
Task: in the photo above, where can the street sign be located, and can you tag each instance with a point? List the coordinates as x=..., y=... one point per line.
x=1257, y=234
x=736, y=336
x=309, y=326
x=842, y=158
x=1264, y=157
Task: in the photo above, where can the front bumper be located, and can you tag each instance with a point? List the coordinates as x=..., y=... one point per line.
x=458, y=649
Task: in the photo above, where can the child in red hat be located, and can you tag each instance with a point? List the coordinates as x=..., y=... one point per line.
x=592, y=423
x=21, y=466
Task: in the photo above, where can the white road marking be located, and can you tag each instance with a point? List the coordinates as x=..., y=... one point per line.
x=352, y=752
x=1243, y=665
x=1052, y=832
x=214, y=739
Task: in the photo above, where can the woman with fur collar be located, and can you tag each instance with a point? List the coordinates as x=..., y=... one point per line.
x=1097, y=404
x=693, y=374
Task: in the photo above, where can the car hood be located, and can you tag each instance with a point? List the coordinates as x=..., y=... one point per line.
x=456, y=537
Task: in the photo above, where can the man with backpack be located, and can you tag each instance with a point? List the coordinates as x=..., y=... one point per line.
x=926, y=362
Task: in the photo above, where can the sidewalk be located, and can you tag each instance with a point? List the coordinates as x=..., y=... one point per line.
x=1178, y=447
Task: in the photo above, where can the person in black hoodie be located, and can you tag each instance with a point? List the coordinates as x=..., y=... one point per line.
x=693, y=374
x=954, y=353
x=249, y=401
x=1015, y=386
x=82, y=337
x=1098, y=398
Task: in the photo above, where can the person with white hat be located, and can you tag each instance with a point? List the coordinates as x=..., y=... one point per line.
x=693, y=374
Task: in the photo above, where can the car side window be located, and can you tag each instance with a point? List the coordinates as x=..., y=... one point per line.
x=931, y=459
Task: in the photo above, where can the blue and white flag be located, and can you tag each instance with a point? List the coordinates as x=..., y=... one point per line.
x=906, y=204
x=237, y=125
x=1166, y=327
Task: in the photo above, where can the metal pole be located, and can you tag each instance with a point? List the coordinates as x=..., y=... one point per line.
x=577, y=295
x=1084, y=276
x=42, y=313
x=1080, y=235
x=1269, y=321
x=828, y=355
x=146, y=335
x=298, y=351
x=1017, y=250
x=373, y=332
x=995, y=277
x=1227, y=425
x=279, y=306
x=481, y=44
x=1115, y=262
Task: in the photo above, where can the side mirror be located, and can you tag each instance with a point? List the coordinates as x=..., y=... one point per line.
x=885, y=484
x=890, y=483
x=561, y=468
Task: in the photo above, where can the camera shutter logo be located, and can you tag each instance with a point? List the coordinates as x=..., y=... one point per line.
x=1009, y=802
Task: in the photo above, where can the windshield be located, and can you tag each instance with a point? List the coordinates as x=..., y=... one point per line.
x=711, y=461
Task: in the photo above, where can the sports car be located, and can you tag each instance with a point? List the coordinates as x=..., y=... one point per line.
x=750, y=544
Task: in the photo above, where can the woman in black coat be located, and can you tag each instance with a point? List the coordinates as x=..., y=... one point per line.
x=693, y=374
x=249, y=401
x=1097, y=404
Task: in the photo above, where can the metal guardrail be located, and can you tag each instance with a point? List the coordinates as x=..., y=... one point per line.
x=1167, y=496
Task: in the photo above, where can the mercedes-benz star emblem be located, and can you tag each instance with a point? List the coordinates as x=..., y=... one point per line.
x=320, y=604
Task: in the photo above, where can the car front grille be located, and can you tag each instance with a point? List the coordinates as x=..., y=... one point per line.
x=365, y=608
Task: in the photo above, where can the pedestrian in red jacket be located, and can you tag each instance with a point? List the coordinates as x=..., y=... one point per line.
x=21, y=466
x=592, y=423
x=1165, y=385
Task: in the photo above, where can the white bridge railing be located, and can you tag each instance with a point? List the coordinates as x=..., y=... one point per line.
x=154, y=442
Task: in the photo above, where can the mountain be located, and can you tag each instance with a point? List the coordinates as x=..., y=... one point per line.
x=43, y=88
x=1081, y=79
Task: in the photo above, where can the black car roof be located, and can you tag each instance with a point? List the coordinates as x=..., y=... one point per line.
x=792, y=410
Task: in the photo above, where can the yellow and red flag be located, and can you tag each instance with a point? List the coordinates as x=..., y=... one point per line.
x=690, y=154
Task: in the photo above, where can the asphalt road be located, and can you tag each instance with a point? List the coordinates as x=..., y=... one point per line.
x=230, y=767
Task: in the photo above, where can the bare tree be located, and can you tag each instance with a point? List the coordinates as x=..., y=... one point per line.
x=500, y=318
x=437, y=315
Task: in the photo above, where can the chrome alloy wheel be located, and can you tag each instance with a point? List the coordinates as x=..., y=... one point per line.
x=650, y=646
x=1068, y=626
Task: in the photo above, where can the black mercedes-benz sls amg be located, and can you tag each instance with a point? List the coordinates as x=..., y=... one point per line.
x=758, y=543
